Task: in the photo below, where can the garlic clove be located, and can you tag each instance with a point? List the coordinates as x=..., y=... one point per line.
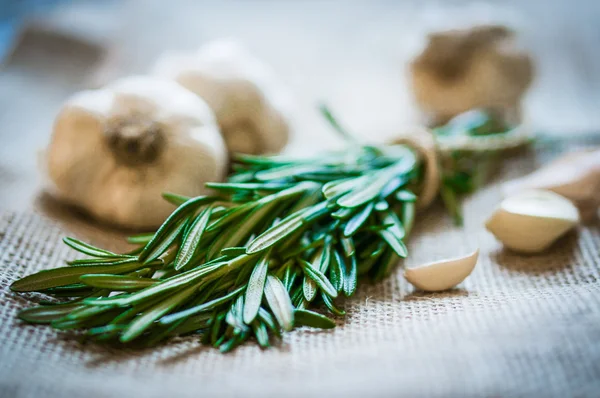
x=442, y=275
x=576, y=176
x=531, y=221
x=253, y=109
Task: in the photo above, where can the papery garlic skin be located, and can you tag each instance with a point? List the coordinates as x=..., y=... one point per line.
x=114, y=150
x=442, y=275
x=253, y=109
x=531, y=221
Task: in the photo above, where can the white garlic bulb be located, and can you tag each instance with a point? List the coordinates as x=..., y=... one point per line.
x=576, y=176
x=531, y=221
x=114, y=150
x=252, y=108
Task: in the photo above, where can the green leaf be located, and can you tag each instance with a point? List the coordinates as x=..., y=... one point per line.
x=233, y=251
x=47, y=313
x=338, y=187
x=244, y=229
x=163, y=287
x=312, y=319
x=145, y=320
x=201, y=307
x=382, y=205
x=330, y=306
x=279, y=302
x=276, y=233
x=408, y=216
x=322, y=258
x=362, y=194
x=140, y=239
x=396, y=228
x=350, y=278
x=396, y=244
x=309, y=289
x=406, y=196
x=159, y=247
x=318, y=277
x=384, y=266
x=255, y=289
x=358, y=220
x=334, y=123
x=68, y=275
x=174, y=198
x=282, y=172
x=169, y=231
x=192, y=239
x=261, y=334
x=289, y=274
x=88, y=262
x=343, y=213
x=248, y=186
x=116, y=282
x=348, y=246
x=379, y=181
x=451, y=203
x=230, y=215
x=269, y=321
x=235, y=315
x=337, y=271
x=88, y=249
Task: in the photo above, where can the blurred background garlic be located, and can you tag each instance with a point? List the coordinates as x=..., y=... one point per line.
x=252, y=108
x=114, y=150
x=480, y=67
x=576, y=176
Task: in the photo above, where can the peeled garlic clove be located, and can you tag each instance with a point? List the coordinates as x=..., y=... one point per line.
x=423, y=142
x=114, y=150
x=252, y=107
x=576, y=176
x=442, y=275
x=531, y=221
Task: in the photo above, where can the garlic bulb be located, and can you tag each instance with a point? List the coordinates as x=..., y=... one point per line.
x=481, y=67
x=252, y=108
x=442, y=275
x=423, y=141
x=576, y=176
x=114, y=150
x=531, y=221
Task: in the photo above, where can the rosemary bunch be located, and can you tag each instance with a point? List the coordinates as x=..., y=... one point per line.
x=280, y=237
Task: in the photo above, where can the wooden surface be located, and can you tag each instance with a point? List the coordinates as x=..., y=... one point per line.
x=349, y=54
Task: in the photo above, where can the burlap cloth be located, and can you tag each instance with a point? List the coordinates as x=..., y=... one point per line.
x=519, y=326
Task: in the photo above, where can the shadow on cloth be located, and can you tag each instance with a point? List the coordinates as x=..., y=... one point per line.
x=559, y=257
x=78, y=223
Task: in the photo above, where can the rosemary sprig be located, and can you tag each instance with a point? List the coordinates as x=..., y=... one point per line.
x=280, y=237
x=466, y=167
